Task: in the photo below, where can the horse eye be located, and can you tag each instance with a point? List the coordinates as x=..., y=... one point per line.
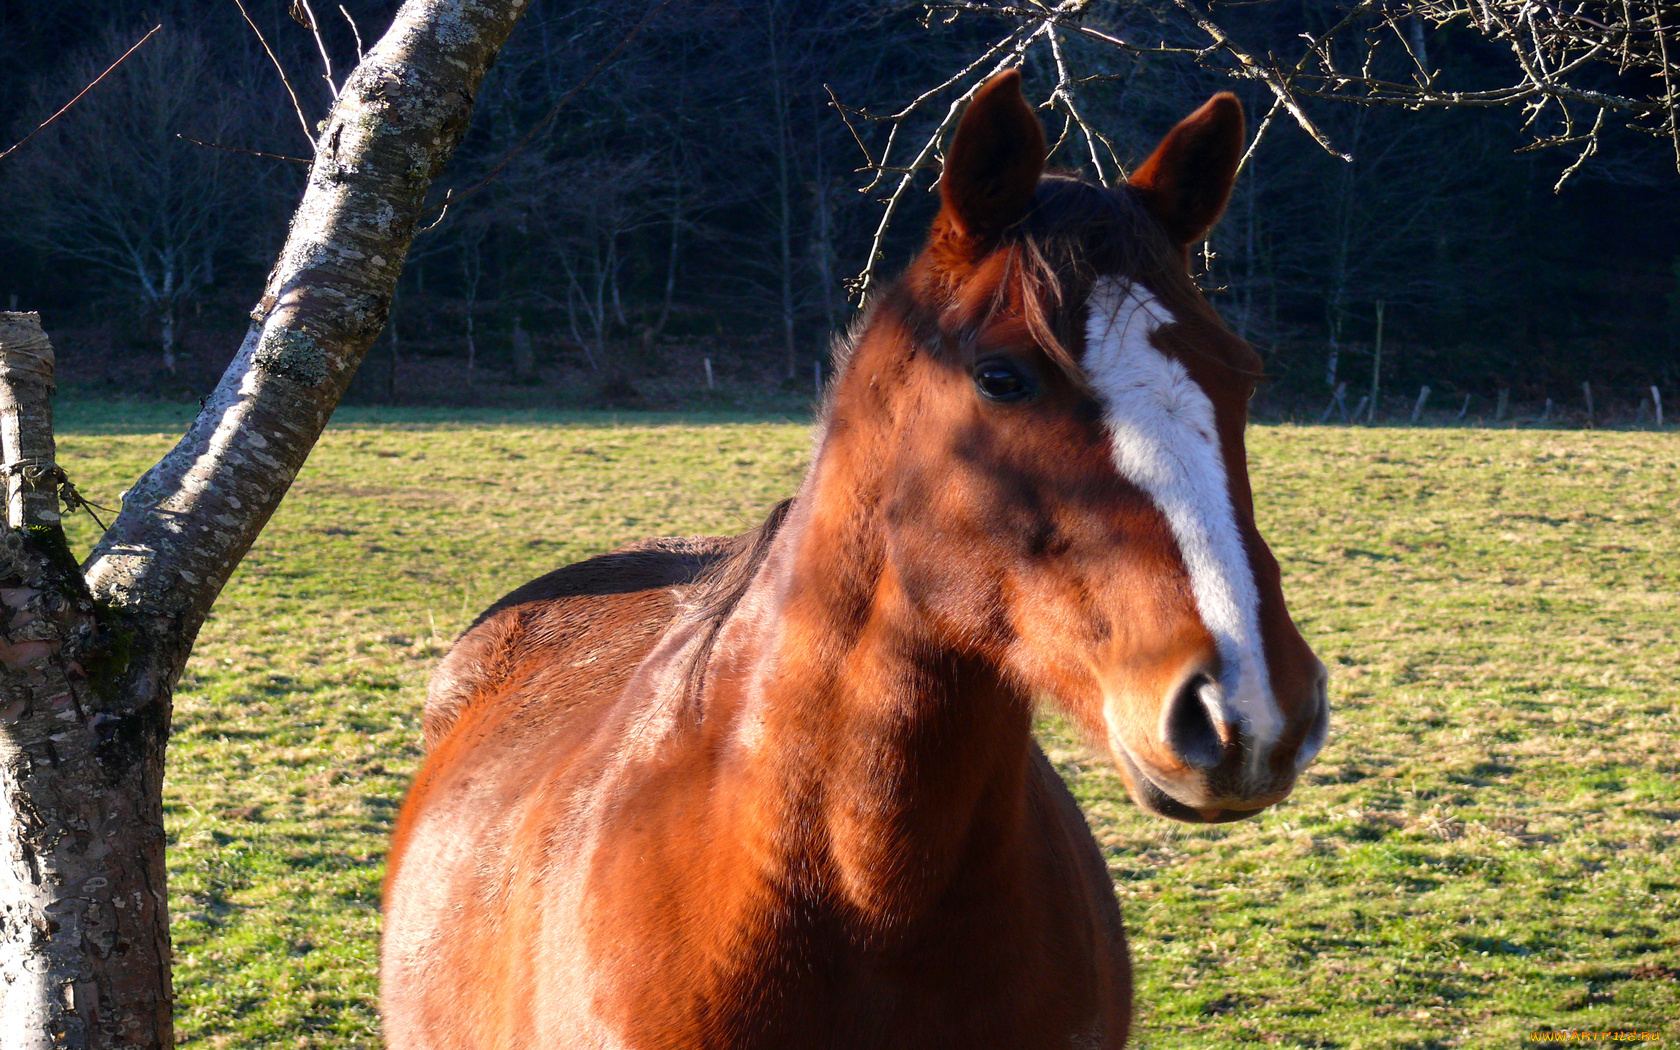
x=1003, y=381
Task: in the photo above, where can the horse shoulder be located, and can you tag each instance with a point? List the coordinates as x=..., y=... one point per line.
x=1079, y=856
x=598, y=616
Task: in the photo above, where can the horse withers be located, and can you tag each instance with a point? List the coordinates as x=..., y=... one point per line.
x=781, y=790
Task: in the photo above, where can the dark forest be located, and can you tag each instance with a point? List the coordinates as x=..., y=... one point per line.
x=696, y=212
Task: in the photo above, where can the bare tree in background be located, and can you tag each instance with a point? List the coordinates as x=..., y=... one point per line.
x=794, y=141
x=583, y=218
x=1398, y=223
x=113, y=187
x=89, y=656
x=1574, y=69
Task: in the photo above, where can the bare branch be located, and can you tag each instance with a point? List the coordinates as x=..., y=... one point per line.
x=1063, y=94
x=1670, y=98
x=247, y=152
x=361, y=53
x=82, y=92
x=1275, y=82
x=1554, y=48
x=1259, y=135
x=1588, y=150
x=1012, y=47
x=302, y=120
x=186, y=523
x=314, y=27
x=842, y=109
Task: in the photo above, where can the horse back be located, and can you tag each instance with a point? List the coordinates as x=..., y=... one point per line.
x=512, y=704
x=592, y=621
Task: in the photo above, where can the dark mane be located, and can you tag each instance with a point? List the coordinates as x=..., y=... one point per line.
x=1075, y=232
x=715, y=593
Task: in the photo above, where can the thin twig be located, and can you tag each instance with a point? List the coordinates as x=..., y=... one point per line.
x=861, y=284
x=443, y=212
x=1259, y=134
x=314, y=27
x=357, y=33
x=1257, y=70
x=960, y=75
x=82, y=92
x=1012, y=40
x=247, y=152
x=1671, y=100
x=1063, y=91
x=1066, y=17
x=841, y=109
x=302, y=120
x=1586, y=151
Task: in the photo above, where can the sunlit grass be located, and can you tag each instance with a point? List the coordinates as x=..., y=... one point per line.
x=1487, y=846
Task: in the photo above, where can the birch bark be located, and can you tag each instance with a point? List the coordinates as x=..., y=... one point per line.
x=90, y=657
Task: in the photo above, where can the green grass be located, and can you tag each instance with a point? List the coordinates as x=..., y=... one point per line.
x=1490, y=843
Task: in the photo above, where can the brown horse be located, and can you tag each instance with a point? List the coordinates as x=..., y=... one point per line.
x=781, y=790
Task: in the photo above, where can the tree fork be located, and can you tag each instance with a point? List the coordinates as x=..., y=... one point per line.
x=89, y=658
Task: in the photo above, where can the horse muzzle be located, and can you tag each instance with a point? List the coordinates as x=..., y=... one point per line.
x=1202, y=765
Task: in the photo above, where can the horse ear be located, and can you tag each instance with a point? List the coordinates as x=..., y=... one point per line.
x=1187, y=180
x=995, y=159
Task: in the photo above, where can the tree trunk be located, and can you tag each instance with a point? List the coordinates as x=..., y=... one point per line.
x=1333, y=317
x=472, y=353
x=166, y=317
x=823, y=254
x=84, y=941
x=167, y=336
x=396, y=353
x=90, y=658
x=472, y=258
x=1341, y=254
x=612, y=282
x=674, y=251
x=784, y=191
x=679, y=186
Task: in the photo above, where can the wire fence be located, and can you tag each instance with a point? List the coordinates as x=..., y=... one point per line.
x=1594, y=406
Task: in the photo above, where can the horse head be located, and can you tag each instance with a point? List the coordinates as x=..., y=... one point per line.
x=1056, y=416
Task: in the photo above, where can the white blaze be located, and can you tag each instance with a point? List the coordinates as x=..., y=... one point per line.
x=1161, y=426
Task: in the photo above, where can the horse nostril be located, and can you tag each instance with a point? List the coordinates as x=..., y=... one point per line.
x=1313, y=742
x=1188, y=727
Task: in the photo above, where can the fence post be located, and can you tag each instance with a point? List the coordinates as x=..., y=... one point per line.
x=1546, y=413
x=1656, y=400
x=522, y=357
x=1417, y=409
x=1586, y=389
x=709, y=384
x=1504, y=402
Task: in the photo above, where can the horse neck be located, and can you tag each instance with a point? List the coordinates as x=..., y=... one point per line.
x=883, y=763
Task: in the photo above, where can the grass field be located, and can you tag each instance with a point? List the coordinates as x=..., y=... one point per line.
x=1489, y=845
